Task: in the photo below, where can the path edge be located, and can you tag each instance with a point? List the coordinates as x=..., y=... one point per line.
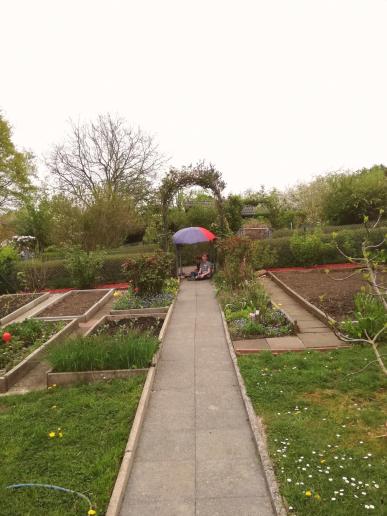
x=118, y=493
x=258, y=431
x=122, y=478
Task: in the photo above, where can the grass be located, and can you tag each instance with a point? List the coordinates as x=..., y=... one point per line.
x=100, y=352
x=326, y=430
x=95, y=420
x=26, y=337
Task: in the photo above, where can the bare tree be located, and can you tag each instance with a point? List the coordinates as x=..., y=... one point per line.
x=105, y=158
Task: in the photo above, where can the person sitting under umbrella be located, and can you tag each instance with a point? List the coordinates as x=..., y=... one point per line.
x=205, y=270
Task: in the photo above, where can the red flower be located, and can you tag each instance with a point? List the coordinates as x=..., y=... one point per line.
x=137, y=290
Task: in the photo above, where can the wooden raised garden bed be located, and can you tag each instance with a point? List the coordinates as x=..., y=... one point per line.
x=322, y=293
x=114, y=323
x=9, y=378
x=14, y=305
x=76, y=304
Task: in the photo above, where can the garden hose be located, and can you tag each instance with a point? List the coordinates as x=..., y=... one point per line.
x=56, y=488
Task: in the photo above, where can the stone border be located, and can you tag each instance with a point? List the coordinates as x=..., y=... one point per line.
x=141, y=311
x=308, y=306
x=23, y=367
x=23, y=309
x=258, y=431
x=83, y=317
x=118, y=493
x=75, y=377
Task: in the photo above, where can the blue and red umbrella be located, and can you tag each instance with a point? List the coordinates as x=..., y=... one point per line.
x=193, y=235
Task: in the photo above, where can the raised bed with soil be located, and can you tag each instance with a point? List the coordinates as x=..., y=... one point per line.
x=326, y=291
x=76, y=303
x=10, y=303
x=114, y=326
x=30, y=339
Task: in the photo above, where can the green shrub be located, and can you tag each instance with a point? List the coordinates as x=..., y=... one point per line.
x=237, y=260
x=84, y=267
x=97, y=353
x=8, y=270
x=147, y=274
x=369, y=318
x=307, y=248
x=279, y=252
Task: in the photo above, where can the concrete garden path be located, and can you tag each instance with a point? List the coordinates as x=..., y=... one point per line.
x=196, y=454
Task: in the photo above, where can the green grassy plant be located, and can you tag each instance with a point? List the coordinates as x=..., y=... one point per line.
x=100, y=352
x=95, y=421
x=325, y=416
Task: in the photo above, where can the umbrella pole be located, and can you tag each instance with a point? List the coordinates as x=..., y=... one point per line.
x=177, y=261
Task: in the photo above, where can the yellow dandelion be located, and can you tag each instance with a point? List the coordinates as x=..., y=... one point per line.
x=51, y=435
x=308, y=493
x=317, y=496
x=60, y=434
x=91, y=512
x=322, y=461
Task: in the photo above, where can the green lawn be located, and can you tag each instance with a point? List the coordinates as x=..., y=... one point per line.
x=95, y=420
x=326, y=430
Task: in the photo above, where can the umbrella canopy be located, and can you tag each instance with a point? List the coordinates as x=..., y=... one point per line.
x=193, y=235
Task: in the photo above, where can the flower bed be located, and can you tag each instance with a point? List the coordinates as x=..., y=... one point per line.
x=26, y=337
x=132, y=299
x=250, y=314
x=11, y=302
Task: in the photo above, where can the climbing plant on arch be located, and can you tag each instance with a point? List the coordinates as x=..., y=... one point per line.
x=201, y=174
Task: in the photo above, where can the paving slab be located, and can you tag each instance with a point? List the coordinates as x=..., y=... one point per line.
x=251, y=345
x=320, y=340
x=196, y=446
x=287, y=343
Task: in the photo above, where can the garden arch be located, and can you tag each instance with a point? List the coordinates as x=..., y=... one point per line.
x=205, y=176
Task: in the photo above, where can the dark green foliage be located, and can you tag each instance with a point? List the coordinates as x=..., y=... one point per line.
x=8, y=270
x=147, y=274
x=233, y=208
x=278, y=252
x=352, y=196
x=84, y=267
x=308, y=247
x=97, y=353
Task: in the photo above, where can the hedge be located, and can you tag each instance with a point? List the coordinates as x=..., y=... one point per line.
x=53, y=273
x=279, y=252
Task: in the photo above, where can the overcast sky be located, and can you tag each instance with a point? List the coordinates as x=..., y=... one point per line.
x=271, y=91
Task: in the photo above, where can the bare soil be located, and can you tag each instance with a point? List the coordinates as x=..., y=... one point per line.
x=77, y=303
x=11, y=302
x=326, y=291
x=151, y=325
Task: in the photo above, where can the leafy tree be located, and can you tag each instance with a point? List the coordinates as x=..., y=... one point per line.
x=15, y=169
x=351, y=196
x=233, y=209
x=34, y=218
